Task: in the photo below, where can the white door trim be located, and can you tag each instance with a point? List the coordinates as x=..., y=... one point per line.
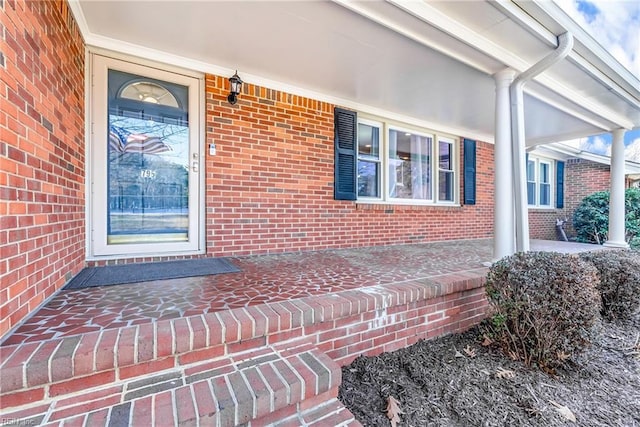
x=96, y=144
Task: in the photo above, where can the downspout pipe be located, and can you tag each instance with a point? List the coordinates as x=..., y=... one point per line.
x=516, y=94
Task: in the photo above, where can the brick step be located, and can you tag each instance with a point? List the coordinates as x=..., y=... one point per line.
x=327, y=414
x=38, y=376
x=254, y=388
x=342, y=325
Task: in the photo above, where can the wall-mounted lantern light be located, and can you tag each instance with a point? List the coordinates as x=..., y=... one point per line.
x=236, y=86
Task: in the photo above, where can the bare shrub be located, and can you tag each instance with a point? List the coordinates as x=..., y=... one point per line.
x=619, y=284
x=543, y=305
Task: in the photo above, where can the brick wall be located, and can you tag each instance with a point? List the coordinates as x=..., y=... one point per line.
x=41, y=153
x=582, y=178
x=270, y=185
x=542, y=223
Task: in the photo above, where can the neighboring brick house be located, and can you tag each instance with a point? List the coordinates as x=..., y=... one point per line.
x=259, y=176
x=584, y=174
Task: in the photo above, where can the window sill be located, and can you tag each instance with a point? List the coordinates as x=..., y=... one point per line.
x=544, y=208
x=387, y=205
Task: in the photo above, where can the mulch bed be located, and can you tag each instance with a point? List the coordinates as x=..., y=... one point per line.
x=438, y=384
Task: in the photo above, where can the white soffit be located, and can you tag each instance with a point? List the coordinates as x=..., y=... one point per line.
x=555, y=19
x=551, y=125
x=612, y=86
x=318, y=46
x=384, y=58
x=518, y=42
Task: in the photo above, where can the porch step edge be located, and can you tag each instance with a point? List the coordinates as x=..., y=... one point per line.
x=236, y=393
x=331, y=412
x=36, y=371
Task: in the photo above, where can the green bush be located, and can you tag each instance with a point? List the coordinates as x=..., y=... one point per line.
x=542, y=306
x=619, y=284
x=591, y=217
x=632, y=217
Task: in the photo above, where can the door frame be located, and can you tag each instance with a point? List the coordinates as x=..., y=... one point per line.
x=97, y=62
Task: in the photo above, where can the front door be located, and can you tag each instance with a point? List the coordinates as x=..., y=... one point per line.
x=145, y=161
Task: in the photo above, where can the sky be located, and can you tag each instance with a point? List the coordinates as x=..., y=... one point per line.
x=615, y=24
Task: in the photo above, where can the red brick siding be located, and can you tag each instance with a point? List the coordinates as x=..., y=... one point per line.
x=542, y=223
x=270, y=185
x=582, y=178
x=42, y=193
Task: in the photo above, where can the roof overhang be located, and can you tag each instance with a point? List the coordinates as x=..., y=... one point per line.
x=429, y=64
x=560, y=151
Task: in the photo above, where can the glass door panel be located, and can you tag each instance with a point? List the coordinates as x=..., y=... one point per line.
x=145, y=157
x=148, y=156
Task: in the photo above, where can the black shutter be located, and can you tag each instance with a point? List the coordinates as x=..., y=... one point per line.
x=346, y=155
x=469, y=172
x=559, y=185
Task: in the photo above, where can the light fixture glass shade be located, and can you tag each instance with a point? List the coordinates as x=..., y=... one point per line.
x=236, y=83
x=236, y=86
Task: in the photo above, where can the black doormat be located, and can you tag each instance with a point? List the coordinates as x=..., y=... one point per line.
x=144, y=272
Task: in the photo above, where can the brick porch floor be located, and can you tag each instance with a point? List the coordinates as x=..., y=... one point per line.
x=256, y=348
x=266, y=278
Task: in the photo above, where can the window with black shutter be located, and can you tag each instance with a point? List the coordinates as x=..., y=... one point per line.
x=346, y=144
x=378, y=161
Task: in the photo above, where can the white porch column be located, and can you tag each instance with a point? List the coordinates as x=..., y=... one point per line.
x=503, y=207
x=616, y=202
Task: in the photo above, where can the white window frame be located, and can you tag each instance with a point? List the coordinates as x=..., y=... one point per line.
x=380, y=127
x=452, y=162
x=385, y=126
x=552, y=182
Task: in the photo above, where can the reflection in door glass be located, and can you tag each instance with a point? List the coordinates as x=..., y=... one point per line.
x=148, y=160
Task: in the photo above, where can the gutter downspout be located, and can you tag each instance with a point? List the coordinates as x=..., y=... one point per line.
x=565, y=44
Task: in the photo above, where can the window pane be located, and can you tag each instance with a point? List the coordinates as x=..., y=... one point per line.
x=368, y=141
x=531, y=171
x=368, y=173
x=409, y=165
x=544, y=172
x=149, y=92
x=445, y=155
x=545, y=194
x=531, y=193
x=531, y=182
x=446, y=186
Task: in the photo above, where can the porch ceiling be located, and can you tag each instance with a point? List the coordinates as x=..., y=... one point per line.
x=430, y=63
